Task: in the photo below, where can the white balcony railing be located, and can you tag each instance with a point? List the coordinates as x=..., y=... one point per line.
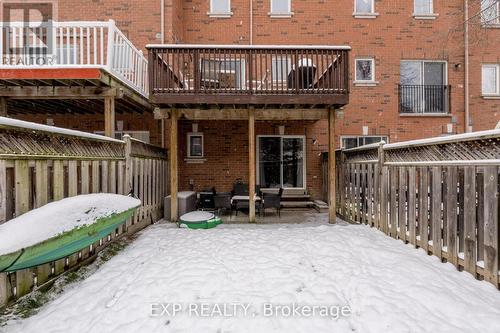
x=74, y=45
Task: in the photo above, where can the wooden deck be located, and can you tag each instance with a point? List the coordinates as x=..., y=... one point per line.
x=190, y=76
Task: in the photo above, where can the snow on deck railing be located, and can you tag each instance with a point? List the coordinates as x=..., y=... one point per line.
x=74, y=45
x=26, y=125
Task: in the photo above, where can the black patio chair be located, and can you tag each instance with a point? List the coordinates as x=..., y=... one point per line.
x=272, y=200
x=222, y=202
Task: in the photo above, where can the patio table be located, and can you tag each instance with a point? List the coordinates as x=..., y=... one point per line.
x=244, y=198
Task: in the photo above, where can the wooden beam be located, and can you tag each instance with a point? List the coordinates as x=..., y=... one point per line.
x=331, y=166
x=109, y=117
x=248, y=99
x=57, y=92
x=242, y=114
x=3, y=107
x=251, y=164
x=173, y=165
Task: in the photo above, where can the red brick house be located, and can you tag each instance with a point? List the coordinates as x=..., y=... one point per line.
x=415, y=71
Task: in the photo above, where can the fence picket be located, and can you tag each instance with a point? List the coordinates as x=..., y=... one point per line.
x=412, y=212
x=491, y=231
x=436, y=198
x=451, y=215
x=470, y=220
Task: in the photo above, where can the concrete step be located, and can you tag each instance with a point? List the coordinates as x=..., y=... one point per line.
x=321, y=206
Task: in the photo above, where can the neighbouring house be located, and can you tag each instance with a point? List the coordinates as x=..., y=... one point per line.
x=402, y=70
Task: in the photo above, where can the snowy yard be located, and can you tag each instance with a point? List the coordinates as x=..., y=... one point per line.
x=386, y=285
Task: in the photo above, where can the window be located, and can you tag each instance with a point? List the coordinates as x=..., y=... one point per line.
x=348, y=142
x=365, y=70
x=281, y=7
x=423, y=7
x=423, y=87
x=490, y=80
x=220, y=7
x=280, y=68
x=490, y=12
x=195, y=145
x=364, y=6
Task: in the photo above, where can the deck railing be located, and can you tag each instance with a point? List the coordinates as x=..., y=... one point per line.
x=424, y=98
x=40, y=164
x=236, y=70
x=439, y=194
x=73, y=45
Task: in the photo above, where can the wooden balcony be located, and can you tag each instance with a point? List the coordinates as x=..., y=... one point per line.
x=191, y=76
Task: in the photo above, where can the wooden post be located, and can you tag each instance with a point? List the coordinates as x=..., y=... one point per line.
x=3, y=107
x=331, y=166
x=109, y=117
x=173, y=166
x=251, y=164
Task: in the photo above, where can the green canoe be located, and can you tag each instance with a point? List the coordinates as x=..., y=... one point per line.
x=63, y=244
x=199, y=220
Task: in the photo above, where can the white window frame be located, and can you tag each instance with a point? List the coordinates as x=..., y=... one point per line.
x=496, y=21
x=304, y=166
x=227, y=13
x=274, y=13
x=497, y=83
x=372, y=60
x=385, y=138
x=371, y=14
x=188, y=145
x=424, y=16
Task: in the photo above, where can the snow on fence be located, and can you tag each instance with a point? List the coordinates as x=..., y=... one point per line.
x=40, y=164
x=74, y=45
x=440, y=194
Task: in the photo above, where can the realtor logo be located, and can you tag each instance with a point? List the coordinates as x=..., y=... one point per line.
x=27, y=31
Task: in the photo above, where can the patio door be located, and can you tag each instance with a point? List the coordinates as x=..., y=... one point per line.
x=281, y=161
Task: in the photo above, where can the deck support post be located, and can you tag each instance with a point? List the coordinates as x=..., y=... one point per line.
x=109, y=117
x=331, y=166
x=251, y=164
x=173, y=165
x=3, y=107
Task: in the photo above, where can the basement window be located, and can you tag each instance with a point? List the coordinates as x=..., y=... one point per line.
x=348, y=142
x=195, y=145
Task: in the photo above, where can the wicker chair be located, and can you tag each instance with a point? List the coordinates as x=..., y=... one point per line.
x=223, y=203
x=272, y=200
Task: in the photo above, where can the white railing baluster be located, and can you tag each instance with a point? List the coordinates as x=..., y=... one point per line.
x=101, y=45
x=95, y=46
x=82, y=54
x=109, y=48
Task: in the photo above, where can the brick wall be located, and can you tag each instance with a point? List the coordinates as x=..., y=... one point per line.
x=226, y=152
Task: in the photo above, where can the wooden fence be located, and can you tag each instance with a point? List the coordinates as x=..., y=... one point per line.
x=40, y=164
x=439, y=194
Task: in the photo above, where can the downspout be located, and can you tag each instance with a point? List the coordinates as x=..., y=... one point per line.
x=162, y=33
x=251, y=22
x=467, y=126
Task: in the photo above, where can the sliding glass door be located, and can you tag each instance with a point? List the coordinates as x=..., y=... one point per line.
x=281, y=161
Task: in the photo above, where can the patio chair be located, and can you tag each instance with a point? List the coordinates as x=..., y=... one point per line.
x=272, y=200
x=240, y=188
x=222, y=202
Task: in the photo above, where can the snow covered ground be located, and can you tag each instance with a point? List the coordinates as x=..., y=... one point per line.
x=261, y=272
